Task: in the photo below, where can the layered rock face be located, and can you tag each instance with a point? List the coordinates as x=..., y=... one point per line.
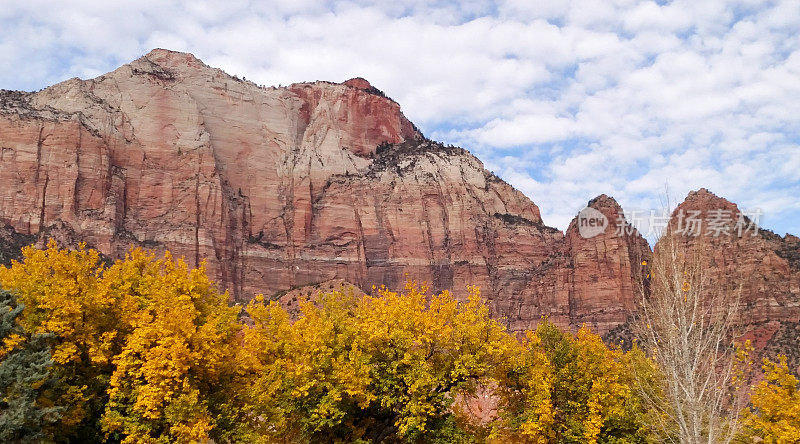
x=762, y=267
x=169, y=153
x=276, y=188
x=765, y=265
x=285, y=188
x=586, y=280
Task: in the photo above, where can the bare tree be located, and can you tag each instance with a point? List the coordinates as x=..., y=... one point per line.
x=686, y=325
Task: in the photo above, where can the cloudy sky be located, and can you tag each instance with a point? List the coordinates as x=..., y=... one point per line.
x=565, y=100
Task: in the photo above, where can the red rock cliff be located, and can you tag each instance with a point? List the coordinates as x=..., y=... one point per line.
x=765, y=265
x=282, y=187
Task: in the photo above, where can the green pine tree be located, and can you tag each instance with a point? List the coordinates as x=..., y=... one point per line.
x=25, y=378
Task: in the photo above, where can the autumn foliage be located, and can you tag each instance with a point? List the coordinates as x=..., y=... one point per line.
x=139, y=347
x=775, y=414
x=367, y=368
x=147, y=350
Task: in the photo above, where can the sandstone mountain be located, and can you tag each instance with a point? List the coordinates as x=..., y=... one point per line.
x=278, y=189
x=763, y=268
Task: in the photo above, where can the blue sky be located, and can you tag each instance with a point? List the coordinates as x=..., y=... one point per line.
x=563, y=99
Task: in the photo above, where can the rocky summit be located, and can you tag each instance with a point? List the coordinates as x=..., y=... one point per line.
x=281, y=188
x=761, y=268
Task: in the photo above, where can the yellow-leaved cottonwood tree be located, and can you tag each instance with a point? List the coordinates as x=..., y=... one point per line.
x=62, y=295
x=180, y=347
x=775, y=414
x=369, y=368
x=572, y=388
x=139, y=347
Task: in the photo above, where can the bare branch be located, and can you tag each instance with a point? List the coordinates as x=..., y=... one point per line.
x=686, y=325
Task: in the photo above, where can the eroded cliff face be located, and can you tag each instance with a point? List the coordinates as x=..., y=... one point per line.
x=273, y=188
x=764, y=264
x=759, y=267
x=167, y=152
x=276, y=188
x=585, y=280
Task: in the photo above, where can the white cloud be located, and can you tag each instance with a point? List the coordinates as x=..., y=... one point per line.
x=566, y=100
x=523, y=130
x=649, y=16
